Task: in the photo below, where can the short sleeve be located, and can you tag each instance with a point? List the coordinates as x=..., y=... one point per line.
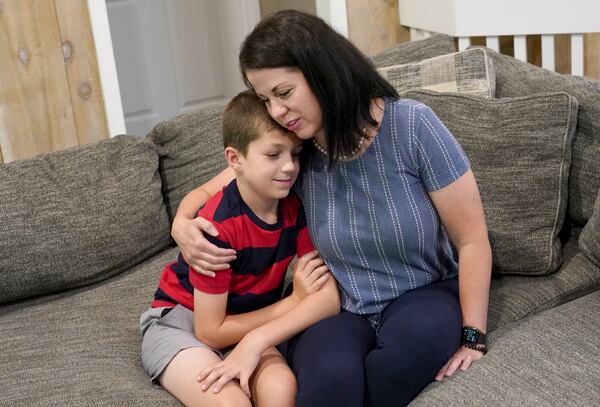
x=439, y=157
x=218, y=284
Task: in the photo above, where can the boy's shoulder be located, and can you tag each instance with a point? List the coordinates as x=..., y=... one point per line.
x=225, y=204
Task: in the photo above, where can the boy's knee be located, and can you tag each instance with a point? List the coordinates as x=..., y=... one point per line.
x=232, y=399
x=276, y=386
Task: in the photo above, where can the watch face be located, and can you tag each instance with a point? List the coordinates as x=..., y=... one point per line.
x=473, y=335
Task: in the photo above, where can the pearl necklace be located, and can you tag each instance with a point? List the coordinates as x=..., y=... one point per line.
x=323, y=150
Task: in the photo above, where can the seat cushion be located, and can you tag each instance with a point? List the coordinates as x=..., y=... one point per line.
x=191, y=152
x=549, y=359
x=518, y=78
x=82, y=347
x=520, y=151
x=515, y=297
x=470, y=72
x=77, y=216
x=414, y=51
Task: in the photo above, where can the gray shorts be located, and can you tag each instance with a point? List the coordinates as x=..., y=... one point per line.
x=166, y=336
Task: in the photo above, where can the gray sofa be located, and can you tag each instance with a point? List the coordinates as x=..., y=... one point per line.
x=85, y=233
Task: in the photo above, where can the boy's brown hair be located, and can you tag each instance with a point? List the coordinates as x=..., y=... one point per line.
x=245, y=120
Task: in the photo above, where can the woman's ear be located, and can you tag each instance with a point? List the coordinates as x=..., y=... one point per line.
x=234, y=158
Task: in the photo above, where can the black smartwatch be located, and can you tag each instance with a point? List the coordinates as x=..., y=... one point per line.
x=473, y=338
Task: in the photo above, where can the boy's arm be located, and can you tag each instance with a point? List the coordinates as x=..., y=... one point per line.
x=242, y=361
x=216, y=329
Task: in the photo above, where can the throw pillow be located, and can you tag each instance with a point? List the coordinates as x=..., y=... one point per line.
x=469, y=71
x=520, y=152
x=78, y=216
x=191, y=152
x=413, y=51
x=589, y=240
x=518, y=78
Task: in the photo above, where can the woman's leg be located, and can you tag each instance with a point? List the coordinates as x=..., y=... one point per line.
x=273, y=383
x=328, y=360
x=180, y=379
x=418, y=333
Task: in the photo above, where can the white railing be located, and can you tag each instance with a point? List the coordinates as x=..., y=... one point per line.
x=518, y=18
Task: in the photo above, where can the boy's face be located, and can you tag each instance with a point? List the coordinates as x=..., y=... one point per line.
x=271, y=164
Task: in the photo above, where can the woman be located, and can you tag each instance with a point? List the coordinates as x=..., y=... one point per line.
x=386, y=188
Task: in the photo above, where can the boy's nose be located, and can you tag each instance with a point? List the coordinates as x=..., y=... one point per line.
x=289, y=166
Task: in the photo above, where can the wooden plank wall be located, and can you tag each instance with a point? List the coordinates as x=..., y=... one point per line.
x=45, y=104
x=374, y=25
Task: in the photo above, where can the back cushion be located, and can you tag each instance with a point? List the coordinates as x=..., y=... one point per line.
x=469, y=72
x=191, y=152
x=520, y=152
x=589, y=240
x=517, y=78
x=78, y=216
x=413, y=51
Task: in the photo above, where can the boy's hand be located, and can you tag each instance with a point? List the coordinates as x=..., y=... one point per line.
x=239, y=364
x=310, y=275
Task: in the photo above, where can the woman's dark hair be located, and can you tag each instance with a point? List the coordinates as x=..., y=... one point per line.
x=343, y=80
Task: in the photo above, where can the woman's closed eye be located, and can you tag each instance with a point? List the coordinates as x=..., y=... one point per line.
x=284, y=94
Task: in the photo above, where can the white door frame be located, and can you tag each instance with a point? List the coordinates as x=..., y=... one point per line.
x=106, y=60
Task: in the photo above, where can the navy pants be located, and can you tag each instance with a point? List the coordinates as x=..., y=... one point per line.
x=345, y=361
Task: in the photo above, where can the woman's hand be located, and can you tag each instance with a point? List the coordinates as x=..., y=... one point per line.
x=310, y=275
x=462, y=359
x=239, y=364
x=198, y=252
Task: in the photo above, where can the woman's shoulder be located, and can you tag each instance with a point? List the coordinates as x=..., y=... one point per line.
x=405, y=104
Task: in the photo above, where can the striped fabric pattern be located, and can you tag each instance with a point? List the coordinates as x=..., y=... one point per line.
x=372, y=219
x=469, y=72
x=264, y=251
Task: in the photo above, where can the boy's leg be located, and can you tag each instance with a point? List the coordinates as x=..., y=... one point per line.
x=180, y=379
x=328, y=360
x=273, y=383
x=418, y=333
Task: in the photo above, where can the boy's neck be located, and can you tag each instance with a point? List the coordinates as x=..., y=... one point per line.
x=266, y=209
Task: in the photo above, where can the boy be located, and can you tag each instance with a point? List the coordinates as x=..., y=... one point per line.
x=193, y=317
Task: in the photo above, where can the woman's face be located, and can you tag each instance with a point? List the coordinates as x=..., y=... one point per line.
x=289, y=100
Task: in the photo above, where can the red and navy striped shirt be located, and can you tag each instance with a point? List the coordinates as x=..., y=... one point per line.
x=264, y=251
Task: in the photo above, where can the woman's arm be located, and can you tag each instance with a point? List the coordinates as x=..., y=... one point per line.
x=216, y=329
x=198, y=252
x=461, y=212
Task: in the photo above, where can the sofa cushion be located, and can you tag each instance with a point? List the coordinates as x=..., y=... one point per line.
x=517, y=78
x=549, y=359
x=77, y=216
x=413, y=51
x=589, y=242
x=515, y=297
x=82, y=347
x=520, y=151
x=469, y=71
x=191, y=152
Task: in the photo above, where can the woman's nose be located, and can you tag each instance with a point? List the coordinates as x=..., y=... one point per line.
x=277, y=110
